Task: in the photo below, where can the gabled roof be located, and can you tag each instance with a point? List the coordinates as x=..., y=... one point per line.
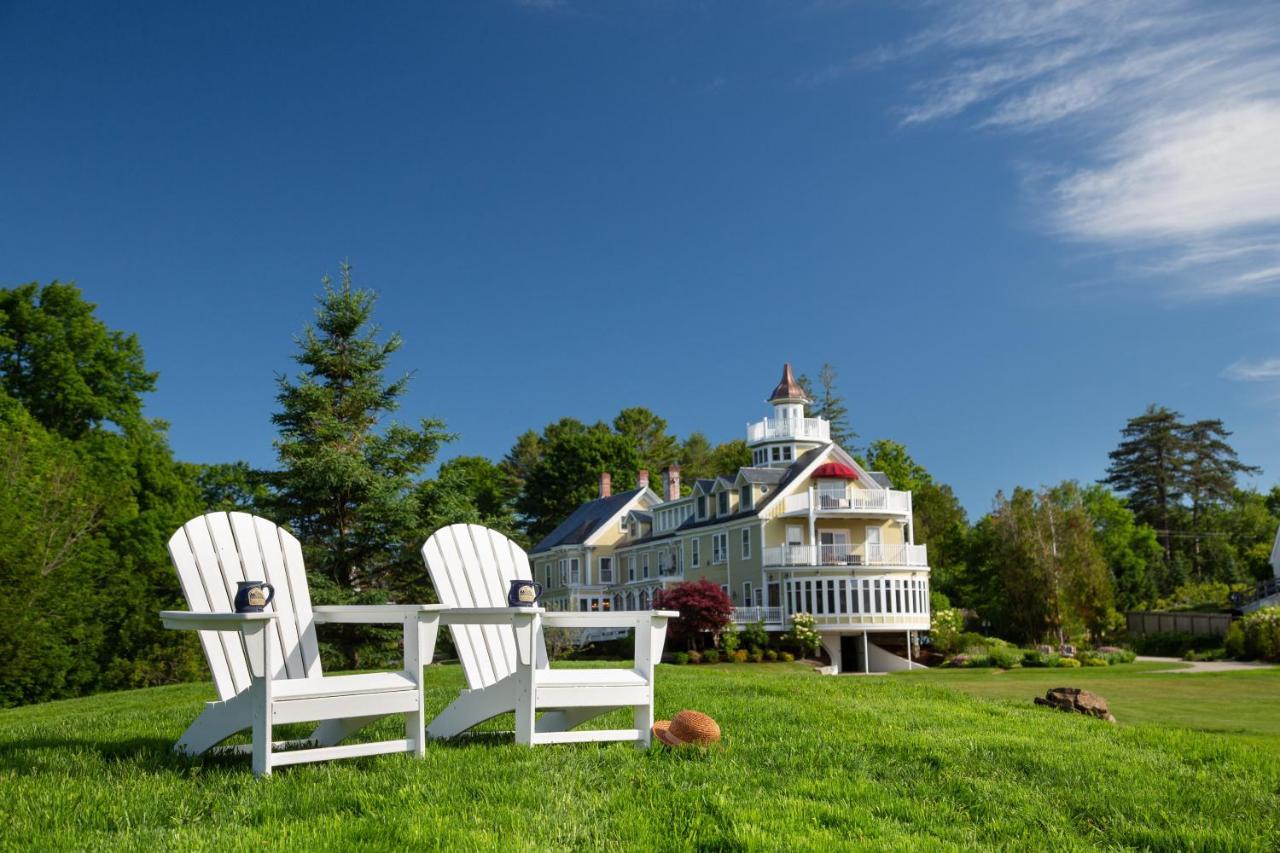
x=586, y=520
x=881, y=477
x=703, y=486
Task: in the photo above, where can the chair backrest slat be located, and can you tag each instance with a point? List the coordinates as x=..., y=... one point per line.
x=212, y=554
x=472, y=566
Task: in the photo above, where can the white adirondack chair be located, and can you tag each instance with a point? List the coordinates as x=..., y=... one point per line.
x=266, y=666
x=505, y=660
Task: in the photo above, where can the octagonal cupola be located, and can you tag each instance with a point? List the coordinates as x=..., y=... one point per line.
x=778, y=441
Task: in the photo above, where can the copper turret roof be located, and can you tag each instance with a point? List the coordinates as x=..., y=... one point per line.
x=788, y=390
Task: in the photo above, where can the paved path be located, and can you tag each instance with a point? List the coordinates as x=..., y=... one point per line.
x=1204, y=665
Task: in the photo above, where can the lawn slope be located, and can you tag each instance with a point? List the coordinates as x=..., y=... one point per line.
x=808, y=763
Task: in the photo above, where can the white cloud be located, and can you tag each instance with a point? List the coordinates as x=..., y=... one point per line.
x=1253, y=371
x=1168, y=110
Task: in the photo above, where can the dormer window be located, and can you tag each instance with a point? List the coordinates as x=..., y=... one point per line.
x=744, y=498
x=702, y=507
x=722, y=503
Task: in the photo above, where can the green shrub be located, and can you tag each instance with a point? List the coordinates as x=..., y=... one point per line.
x=1094, y=660
x=1114, y=656
x=739, y=656
x=680, y=658
x=786, y=657
x=1034, y=658
x=695, y=656
x=1066, y=663
x=1256, y=636
x=730, y=640
x=1005, y=657
x=754, y=636
x=711, y=656
x=1207, y=654
x=770, y=655
x=757, y=656
x=1172, y=644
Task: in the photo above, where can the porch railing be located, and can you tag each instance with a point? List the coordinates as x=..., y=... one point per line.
x=767, y=615
x=847, y=555
x=849, y=500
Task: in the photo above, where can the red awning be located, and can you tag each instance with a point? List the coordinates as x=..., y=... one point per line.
x=836, y=470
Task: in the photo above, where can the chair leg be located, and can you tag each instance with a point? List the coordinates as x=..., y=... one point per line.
x=644, y=722
x=260, y=692
x=217, y=722
x=525, y=710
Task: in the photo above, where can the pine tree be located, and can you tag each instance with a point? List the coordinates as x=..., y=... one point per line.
x=1210, y=468
x=346, y=483
x=830, y=406
x=1149, y=467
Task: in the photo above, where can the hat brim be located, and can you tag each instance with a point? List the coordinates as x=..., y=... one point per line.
x=662, y=731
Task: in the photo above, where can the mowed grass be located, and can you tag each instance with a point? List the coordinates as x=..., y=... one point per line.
x=1245, y=703
x=808, y=763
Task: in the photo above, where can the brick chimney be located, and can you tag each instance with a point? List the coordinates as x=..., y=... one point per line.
x=606, y=484
x=642, y=479
x=671, y=482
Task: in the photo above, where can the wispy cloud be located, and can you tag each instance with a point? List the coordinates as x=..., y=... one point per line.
x=1168, y=111
x=1253, y=371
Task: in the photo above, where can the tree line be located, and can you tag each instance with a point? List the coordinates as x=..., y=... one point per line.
x=91, y=492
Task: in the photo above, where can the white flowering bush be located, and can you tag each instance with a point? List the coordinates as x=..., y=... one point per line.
x=945, y=630
x=803, y=633
x=1256, y=636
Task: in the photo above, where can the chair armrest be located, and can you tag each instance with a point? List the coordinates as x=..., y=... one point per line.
x=488, y=615
x=188, y=621
x=605, y=619
x=371, y=614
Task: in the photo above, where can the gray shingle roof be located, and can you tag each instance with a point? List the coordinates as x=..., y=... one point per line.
x=767, y=476
x=584, y=521
x=880, y=477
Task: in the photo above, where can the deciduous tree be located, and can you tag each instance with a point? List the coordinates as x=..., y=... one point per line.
x=705, y=610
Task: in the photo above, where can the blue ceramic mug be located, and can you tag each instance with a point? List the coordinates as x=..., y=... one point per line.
x=524, y=593
x=253, y=596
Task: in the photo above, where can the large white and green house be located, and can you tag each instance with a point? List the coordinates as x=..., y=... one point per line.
x=804, y=529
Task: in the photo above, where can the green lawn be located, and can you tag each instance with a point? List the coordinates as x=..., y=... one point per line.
x=808, y=763
x=1245, y=703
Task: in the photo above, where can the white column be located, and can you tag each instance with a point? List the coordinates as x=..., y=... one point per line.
x=866, y=657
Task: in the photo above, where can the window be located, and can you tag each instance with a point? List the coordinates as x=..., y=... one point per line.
x=786, y=453
x=622, y=524
x=744, y=498
x=564, y=572
x=662, y=563
x=693, y=554
x=631, y=567
x=573, y=570
x=746, y=543
x=722, y=503
x=644, y=599
x=606, y=570
x=582, y=605
x=724, y=587
x=547, y=569
x=746, y=593
x=644, y=564
x=777, y=454
x=702, y=506
x=719, y=548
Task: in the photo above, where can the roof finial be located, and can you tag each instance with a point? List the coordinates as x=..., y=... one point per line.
x=788, y=390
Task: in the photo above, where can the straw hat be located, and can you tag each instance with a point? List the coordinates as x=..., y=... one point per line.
x=687, y=727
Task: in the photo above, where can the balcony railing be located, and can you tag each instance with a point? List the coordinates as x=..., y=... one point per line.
x=847, y=555
x=767, y=615
x=813, y=429
x=849, y=500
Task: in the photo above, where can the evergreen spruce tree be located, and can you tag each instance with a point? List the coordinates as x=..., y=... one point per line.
x=346, y=483
x=1210, y=468
x=1149, y=468
x=830, y=405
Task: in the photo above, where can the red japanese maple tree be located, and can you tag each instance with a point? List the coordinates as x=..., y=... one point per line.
x=704, y=609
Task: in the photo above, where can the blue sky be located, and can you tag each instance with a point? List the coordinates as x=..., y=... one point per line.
x=1009, y=225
